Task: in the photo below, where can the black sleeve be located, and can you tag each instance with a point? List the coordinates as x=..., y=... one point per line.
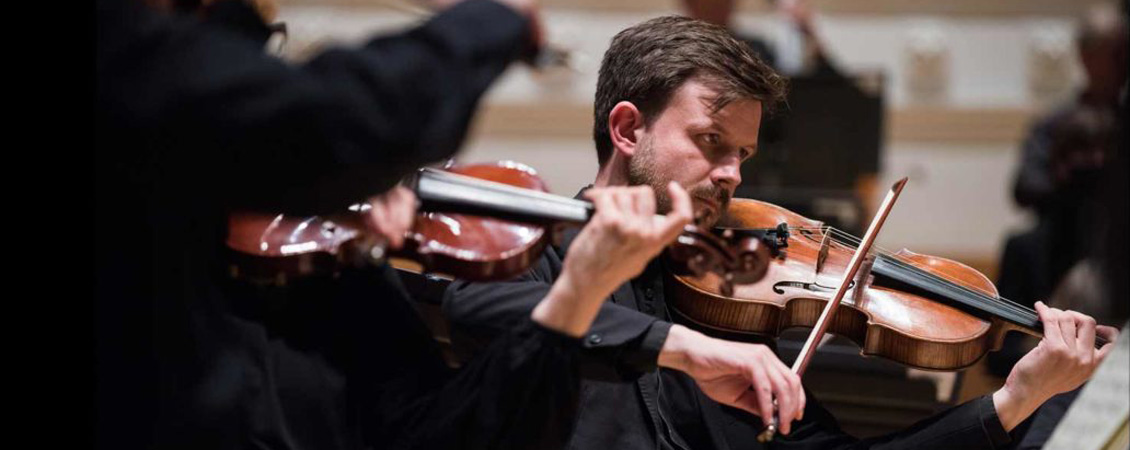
x=521, y=393
x=971, y=425
x=620, y=336
x=260, y=133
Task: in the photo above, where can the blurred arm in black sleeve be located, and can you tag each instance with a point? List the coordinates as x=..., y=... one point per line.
x=261, y=133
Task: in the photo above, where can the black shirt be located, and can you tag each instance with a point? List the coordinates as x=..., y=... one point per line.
x=628, y=403
x=194, y=121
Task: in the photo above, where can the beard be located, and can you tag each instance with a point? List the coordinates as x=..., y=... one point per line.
x=644, y=171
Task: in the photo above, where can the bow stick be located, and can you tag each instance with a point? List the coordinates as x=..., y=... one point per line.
x=821, y=326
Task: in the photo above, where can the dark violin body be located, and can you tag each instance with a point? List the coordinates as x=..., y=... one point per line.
x=922, y=311
x=478, y=248
x=478, y=222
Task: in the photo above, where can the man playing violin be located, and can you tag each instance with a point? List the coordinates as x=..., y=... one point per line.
x=194, y=122
x=681, y=101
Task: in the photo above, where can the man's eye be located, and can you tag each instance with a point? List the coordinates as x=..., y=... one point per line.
x=712, y=138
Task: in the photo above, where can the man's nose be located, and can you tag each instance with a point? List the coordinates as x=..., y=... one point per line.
x=727, y=175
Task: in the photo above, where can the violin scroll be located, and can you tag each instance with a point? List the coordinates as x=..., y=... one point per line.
x=736, y=259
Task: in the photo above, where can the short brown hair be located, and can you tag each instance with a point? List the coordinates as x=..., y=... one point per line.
x=648, y=62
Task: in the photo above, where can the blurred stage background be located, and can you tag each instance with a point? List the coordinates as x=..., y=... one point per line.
x=946, y=92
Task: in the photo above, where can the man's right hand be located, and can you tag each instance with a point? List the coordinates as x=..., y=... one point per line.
x=615, y=245
x=744, y=376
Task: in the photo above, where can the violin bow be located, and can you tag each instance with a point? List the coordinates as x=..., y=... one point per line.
x=821, y=326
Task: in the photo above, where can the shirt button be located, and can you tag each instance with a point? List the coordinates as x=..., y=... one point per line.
x=595, y=339
x=649, y=293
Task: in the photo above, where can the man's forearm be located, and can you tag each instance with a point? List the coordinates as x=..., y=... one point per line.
x=570, y=307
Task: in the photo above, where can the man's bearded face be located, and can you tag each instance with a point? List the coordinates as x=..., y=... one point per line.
x=697, y=147
x=644, y=170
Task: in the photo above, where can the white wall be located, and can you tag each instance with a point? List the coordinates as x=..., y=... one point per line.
x=987, y=67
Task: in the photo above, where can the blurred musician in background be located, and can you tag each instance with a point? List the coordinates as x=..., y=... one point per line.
x=193, y=122
x=1061, y=159
x=1101, y=41
x=1097, y=284
x=681, y=100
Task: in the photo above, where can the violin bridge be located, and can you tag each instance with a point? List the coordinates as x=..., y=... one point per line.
x=822, y=255
x=862, y=278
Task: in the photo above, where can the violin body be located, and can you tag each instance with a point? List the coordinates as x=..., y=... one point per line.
x=912, y=325
x=474, y=247
x=274, y=248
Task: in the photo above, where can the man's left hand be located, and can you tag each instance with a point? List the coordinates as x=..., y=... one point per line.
x=391, y=215
x=1065, y=358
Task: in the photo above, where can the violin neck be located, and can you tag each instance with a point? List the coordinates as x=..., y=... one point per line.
x=961, y=297
x=969, y=300
x=450, y=192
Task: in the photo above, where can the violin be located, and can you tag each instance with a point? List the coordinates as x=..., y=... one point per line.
x=919, y=310
x=480, y=222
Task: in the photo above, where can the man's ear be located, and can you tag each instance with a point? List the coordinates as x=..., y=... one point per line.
x=625, y=125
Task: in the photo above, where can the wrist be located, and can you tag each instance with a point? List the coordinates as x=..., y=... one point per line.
x=582, y=277
x=674, y=353
x=1014, y=405
x=569, y=308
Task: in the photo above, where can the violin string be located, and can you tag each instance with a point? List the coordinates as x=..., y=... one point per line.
x=1001, y=305
x=846, y=239
x=1021, y=312
x=850, y=242
x=908, y=264
x=981, y=295
x=911, y=265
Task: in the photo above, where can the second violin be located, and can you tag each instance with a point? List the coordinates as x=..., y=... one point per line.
x=478, y=222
